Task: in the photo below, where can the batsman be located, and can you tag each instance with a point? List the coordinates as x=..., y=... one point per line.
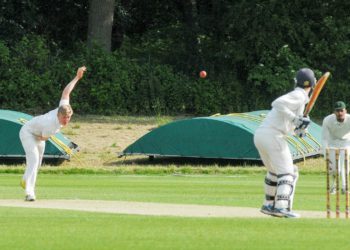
x=285, y=117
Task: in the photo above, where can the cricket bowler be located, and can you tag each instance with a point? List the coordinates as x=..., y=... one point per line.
x=35, y=132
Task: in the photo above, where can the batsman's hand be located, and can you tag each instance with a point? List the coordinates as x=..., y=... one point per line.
x=80, y=72
x=300, y=132
x=301, y=122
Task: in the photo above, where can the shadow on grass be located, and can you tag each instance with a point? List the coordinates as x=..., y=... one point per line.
x=22, y=161
x=185, y=161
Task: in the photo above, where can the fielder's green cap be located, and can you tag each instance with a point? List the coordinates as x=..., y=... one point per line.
x=339, y=105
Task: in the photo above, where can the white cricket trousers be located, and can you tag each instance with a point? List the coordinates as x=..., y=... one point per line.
x=34, y=150
x=274, y=151
x=341, y=162
x=282, y=175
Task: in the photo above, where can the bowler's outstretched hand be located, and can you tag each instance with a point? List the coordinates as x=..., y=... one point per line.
x=81, y=72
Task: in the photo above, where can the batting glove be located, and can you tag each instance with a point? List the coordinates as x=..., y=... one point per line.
x=301, y=122
x=300, y=132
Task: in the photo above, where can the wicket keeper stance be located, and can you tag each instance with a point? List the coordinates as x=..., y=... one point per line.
x=285, y=117
x=336, y=134
x=35, y=132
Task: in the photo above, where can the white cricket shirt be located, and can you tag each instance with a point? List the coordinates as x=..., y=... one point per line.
x=334, y=133
x=284, y=109
x=47, y=124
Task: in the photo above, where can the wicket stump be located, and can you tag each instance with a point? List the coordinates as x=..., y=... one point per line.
x=337, y=165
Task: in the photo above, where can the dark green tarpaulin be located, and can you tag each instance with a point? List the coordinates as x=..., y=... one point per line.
x=10, y=144
x=223, y=136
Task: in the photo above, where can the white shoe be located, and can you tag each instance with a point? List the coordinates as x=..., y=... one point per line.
x=284, y=213
x=29, y=197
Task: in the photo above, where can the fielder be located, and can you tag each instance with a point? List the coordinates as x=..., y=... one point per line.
x=285, y=117
x=35, y=132
x=336, y=134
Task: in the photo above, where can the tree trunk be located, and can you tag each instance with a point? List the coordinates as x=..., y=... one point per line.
x=101, y=14
x=191, y=32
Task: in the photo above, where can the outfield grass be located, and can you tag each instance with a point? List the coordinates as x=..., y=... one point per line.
x=239, y=190
x=28, y=228
x=162, y=166
x=54, y=229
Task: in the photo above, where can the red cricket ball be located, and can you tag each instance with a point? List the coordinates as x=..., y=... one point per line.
x=203, y=74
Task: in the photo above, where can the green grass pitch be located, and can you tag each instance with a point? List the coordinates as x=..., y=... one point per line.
x=28, y=228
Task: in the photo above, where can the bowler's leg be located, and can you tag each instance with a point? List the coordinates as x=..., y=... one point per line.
x=41, y=149
x=31, y=148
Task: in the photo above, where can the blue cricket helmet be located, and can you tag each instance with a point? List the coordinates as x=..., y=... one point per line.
x=305, y=78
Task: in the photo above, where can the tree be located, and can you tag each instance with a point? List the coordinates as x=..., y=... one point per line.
x=190, y=17
x=101, y=15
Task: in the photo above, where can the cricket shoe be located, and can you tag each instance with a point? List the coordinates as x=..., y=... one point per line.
x=29, y=197
x=23, y=184
x=267, y=209
x=284, y=213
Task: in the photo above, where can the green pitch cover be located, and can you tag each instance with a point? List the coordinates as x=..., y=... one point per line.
x=10, y=144
x=219, y=136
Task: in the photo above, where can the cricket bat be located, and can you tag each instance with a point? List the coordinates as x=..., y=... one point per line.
x=317, y=90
